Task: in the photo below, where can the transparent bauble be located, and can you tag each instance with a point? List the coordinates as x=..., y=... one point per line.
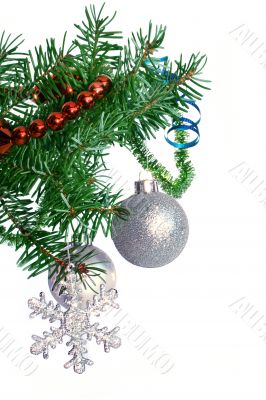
x=99, y=270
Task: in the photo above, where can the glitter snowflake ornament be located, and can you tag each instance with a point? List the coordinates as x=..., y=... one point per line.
x=75, y=323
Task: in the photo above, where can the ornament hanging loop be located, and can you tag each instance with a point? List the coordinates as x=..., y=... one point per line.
x=70, y=267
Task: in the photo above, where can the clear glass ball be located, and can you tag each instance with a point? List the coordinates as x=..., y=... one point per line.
x=88, y=255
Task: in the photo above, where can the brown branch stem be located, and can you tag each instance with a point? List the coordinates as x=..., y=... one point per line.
x=188, y=75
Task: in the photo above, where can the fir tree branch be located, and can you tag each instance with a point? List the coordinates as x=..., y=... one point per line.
x=7, y=237
x=57, y=182
x=29, y=236
x=151, y=103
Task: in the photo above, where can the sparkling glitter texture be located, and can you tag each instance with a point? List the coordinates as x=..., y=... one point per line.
x=93, y=279
x=155, y=233
x=75, y=323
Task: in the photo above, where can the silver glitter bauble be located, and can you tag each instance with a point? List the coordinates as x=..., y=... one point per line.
x=88, y=255
x=156, y=230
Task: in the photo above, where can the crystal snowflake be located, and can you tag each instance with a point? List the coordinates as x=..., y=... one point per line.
x=75, y=323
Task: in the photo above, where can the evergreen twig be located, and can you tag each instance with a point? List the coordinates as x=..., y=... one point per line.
x=55, y=184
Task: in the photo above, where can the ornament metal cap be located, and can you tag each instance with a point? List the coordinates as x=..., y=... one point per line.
x=146, y=183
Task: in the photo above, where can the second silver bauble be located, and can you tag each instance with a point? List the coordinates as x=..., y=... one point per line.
x=94, y=257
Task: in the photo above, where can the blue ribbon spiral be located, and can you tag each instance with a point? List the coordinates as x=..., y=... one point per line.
x=186, y=124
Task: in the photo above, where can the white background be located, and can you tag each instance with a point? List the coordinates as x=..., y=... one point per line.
x=184, y=307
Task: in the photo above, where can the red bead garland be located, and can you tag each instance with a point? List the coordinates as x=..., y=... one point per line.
x=105, y=81
x=37, y=128
x=97, y=89
x=56, y=121
x=67, y=90
x=64, y=88
x=37, y=95
x=21, y=135
x=5, y=137
x=71, y=109
x=86, y=100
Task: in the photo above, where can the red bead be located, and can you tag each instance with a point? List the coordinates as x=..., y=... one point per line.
x=105, y=81
x=97, y=89
x=71, y=109
x=37, y=95
x=55, y=121
x=37, y=128
x=86, y=99
x=5, y=137
x=68, y=90
x=65, y=89
x=4, y=124
x=76, y=76
x=20, y=136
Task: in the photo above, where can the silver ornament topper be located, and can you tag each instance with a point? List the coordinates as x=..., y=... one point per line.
x=75, y=323
x=146, y=183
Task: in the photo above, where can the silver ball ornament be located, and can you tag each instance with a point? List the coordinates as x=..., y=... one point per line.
x=88, y=255
x=156, y=231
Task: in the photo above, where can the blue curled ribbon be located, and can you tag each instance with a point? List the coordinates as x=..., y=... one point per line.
x=186, y=124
